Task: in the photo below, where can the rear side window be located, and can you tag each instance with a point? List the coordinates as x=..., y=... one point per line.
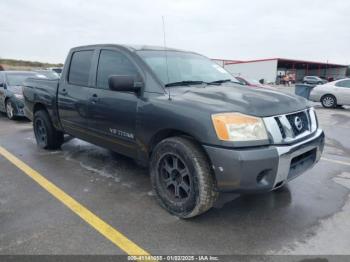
x=113, y=63
x=345, y=83
x=80, y=68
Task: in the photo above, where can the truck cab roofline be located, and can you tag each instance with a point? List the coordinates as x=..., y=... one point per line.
x=132, y=47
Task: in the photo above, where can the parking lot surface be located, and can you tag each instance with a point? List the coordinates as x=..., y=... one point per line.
x=310, y=216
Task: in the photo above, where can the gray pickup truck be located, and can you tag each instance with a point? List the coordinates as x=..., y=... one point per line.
x=182, y=115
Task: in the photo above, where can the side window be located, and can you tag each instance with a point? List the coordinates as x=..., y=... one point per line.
x=113, y=63
x=80, y=68
x=347, y=84
x=344, y=83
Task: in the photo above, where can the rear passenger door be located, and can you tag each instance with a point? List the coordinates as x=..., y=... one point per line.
x=113, y=113
x=74, y=94
x=343, y=92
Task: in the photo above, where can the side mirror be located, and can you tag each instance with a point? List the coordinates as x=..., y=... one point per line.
x=124, y=83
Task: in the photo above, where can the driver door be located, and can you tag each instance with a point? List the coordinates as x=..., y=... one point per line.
x=112, y=114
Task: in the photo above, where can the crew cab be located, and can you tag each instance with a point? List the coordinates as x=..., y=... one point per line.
x=182, y=115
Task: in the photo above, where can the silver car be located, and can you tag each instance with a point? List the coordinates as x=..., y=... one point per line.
x=332, y=94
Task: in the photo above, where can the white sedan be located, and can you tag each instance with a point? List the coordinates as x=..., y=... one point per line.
x=332, y=94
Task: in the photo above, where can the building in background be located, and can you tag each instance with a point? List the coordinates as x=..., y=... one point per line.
x=273, y=69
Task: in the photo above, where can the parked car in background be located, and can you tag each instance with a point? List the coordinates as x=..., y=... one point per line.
x=332, y=94
x=57, y=70
x=11, y=96
x=314, y=80
x=47, y=74
x=250, y=82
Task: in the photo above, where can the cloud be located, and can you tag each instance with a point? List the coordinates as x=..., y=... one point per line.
x=45, y=30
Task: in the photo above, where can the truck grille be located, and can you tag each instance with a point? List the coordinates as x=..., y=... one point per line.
x=299, y=122
x=291, y=127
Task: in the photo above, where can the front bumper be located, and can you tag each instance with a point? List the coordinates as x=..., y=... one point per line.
x=263, y=169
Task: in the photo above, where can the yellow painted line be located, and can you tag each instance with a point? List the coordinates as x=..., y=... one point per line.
x=105, y=229
x=336, y=161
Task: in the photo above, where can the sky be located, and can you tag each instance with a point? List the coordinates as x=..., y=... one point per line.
x=45, y=30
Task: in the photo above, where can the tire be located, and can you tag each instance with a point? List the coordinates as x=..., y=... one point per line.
x=10, y=111
x=329, y=101
x=47, y=137
x=182, y=177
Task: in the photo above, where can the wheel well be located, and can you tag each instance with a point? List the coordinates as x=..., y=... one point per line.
x=39, y=106
x=163, y=134
x=328, y=95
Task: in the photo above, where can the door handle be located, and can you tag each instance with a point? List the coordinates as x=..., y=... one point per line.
x=94, y=98
x=64, y=92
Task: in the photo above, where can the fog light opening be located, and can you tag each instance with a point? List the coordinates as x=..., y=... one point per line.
x=262, y=177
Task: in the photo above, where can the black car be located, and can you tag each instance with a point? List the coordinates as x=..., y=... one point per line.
x=11, y=96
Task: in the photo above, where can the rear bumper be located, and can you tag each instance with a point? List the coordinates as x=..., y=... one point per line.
x=28, y=114
x=263, y=169
x=18, y=106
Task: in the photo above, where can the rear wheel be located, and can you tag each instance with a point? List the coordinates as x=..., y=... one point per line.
x=46, y=135
x=10, y=111
x=329, y=101
x=182, y=178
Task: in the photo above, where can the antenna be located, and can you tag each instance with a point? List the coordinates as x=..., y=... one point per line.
x=166, y=55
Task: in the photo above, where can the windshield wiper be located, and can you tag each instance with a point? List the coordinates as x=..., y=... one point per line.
x=220, y=81
x=184, y=83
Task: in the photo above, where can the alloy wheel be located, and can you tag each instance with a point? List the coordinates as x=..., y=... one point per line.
x=175, y=178
x=9, y=110
x=40, y=131
x=328, y=101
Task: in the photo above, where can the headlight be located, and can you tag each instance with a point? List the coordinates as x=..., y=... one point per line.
x=239, y=127
x=18, y=96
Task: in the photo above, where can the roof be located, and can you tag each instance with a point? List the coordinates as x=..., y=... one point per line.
x=285, y=60
x=133, y=47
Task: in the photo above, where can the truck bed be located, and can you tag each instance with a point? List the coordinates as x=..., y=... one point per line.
x=40, y=91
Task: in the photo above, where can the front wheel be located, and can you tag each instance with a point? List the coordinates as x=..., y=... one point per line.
x=47, y=137
x=10, y=111
x=182, y=178
x=329, y=101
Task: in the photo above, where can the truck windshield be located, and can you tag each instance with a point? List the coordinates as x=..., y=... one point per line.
x=184, y=67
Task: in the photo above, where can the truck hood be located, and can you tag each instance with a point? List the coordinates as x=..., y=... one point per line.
x=236, y=98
